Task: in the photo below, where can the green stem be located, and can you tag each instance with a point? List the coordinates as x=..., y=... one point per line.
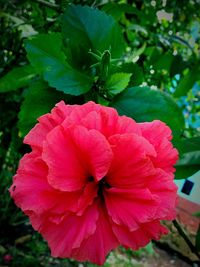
x=186, y=238
x=91, y=95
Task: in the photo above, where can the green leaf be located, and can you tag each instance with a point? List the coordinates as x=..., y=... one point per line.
x=196, y=214
x=117, y=82
x=197, y=240
x=144, y=104
x=190, y=158
x=164, y=62
x=138, y=52
x=16, y=78
x=89, y=28
x=137, y=76
x=153, y=53
x=44, y=51
x=190, y=144
x=39, y=99
x=185, y=171
x=117, y=10
x=187, y=82
x=188, y=165
x=177, y=66
x=138, y=29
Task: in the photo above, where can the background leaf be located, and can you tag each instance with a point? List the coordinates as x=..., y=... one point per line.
x=117, y=10
x=190, y=144
x=138, y=52
x=188, y=165
x=185, y=171
x=178, y=65
x=187, y=82
x=86, y=28
x=16, y=78
x=45, y=54
x=137, y=76
x=144, y=104
x=39, y=99
x=164, y=62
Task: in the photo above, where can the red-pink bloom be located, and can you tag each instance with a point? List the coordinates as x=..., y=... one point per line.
x=7, y=258
x=95, y=180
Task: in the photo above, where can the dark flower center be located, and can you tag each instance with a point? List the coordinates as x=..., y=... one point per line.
x=102, y=184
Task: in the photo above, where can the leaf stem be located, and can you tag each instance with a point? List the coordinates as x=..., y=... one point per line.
x=186, y=238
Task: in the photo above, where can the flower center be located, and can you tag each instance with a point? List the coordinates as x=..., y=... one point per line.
x=101, y=185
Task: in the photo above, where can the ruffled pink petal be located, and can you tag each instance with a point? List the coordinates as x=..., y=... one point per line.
x=46, y=123
x=69, y=234
x=109, y=118
x=109, y=123
x=135, y=239
x=140, y=237
x=103, y=119
x=131, y=164
x=31, y=191
x=92, y=121
x=162, y=185
x=154, y=229
x=95, y=151
x=80, y=112
x=66, y=170
x=94, y=116
x=99, y=244
x=75, y=154
x=159, y=135
x=131, y=207
x=127, y=125
x=87, y=197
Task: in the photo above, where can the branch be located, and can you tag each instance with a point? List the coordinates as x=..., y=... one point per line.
x=186, y=238
x=180, y=39
x=48, y=4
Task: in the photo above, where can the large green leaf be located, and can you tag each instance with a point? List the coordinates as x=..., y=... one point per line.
x=187, y=82
x=39, y=100
x=16, y=78
x=86, y=28
x=190, y=144
x=188, y=164
x=144, y=104
x=185, y=171
x=190, y=158
x=45, y=53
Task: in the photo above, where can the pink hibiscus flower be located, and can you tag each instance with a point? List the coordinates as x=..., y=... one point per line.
x=95, y=180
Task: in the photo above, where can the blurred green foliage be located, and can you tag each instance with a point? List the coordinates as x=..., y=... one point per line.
x=46, y=54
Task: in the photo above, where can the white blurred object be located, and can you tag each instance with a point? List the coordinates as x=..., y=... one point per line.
x=190, y=188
